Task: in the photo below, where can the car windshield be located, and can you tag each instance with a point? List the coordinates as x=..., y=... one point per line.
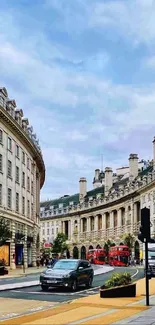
x=65, y=265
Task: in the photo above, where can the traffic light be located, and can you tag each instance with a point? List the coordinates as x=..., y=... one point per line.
x=145, y=225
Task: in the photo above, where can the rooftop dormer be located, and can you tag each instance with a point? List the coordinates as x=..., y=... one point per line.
x=3, y=97
x=18, y=116
x=10, y=107
x=25, y=123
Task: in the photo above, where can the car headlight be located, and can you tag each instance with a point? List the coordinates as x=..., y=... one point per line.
x=66, y=276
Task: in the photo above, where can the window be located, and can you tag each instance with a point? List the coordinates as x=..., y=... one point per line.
x=9, y=198
x=28, y=163
x=32, y=167
x=1, y=136
x=17, y=202
x=9, y=168
x=9, y=144
x=28, y=208
x=23, y=157
x=1, y=163
x=52, y=231
x=0, y=194
x=17, y=174
x=32, y=187
x=28, y=183
x=32, y=210
x=48, y=232
x=17, y=151
x=23, y=205
x=23, y=179
x=43, y=232
x=47, y=224
x=56, y=230
x=1, y=101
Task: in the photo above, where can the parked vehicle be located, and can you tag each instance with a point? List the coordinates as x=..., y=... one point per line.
x=119, y=255
x=69, y=273
x=97, y=256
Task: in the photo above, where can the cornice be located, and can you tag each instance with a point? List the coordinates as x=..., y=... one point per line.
x=14, y=126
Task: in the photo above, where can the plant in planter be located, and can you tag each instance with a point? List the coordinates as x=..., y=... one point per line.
x=119, y=285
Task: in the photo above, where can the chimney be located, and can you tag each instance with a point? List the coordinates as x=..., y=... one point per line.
x=83, y=188
x=153, y=154
x=108, y=179
x=97, y=172
x=133, y=166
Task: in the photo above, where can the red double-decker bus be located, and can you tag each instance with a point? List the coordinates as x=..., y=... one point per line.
x=97, y=256
x=119, y=255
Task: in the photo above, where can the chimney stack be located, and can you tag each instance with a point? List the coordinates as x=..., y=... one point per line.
x=83, y=188
x=97, y=172
x=133, y=166
x=108, y=178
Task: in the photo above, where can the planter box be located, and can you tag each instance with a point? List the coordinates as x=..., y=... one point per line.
x=3, y=270
x=121, y=291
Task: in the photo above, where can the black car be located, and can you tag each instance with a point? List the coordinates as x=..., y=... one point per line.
x=69, y=273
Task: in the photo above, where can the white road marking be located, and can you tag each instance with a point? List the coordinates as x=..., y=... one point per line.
x=137, y=271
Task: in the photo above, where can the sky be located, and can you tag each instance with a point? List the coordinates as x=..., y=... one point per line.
x=83, y=71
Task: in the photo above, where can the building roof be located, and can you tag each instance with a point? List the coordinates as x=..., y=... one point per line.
x=67, y=199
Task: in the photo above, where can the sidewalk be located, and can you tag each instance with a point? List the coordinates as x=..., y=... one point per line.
x=20, y=272
x=93, y=310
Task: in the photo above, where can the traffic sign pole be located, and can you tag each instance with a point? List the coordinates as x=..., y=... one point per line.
x=146, y=273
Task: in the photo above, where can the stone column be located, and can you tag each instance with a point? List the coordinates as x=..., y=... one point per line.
x=12, y=247
x=104, y=221
x=119, y=217
x=88, y=224
x=135, y=213
x=69, y=229
x=132, y=216
x=63, y=227
x=96, y=223
x=81, y=225
x=112, y=220
x=34, y=256
x=25, y=248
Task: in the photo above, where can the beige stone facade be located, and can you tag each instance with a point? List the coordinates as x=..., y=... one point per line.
x=22, y=174
x=90, y=218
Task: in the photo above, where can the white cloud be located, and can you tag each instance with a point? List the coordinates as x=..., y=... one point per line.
x=78, y=114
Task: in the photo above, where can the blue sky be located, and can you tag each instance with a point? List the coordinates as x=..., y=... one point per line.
x=83, y=71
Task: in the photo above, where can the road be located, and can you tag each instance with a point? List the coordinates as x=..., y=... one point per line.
x=62, y=295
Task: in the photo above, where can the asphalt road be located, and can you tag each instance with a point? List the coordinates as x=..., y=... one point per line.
x=62, y=295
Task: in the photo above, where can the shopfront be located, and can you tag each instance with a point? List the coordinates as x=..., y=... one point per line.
x=5, y=254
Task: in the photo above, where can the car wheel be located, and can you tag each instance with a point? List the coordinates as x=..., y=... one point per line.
x=89, y=283
x=44, y=287
x=74, y=285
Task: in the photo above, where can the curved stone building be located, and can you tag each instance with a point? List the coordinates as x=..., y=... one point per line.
x=109, y=211
x=22, y=174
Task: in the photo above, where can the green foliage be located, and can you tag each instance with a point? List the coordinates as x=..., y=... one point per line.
x=5, y=233
x=128, y=240
x=118, y=279
x=107, y=245
x=59, y=243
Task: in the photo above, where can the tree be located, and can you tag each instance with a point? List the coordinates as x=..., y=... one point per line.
x=107, y=245
x=128, y=240
x=59, y=243
x=5, y=233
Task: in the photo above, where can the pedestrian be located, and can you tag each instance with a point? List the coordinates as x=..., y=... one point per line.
x=38, y=262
